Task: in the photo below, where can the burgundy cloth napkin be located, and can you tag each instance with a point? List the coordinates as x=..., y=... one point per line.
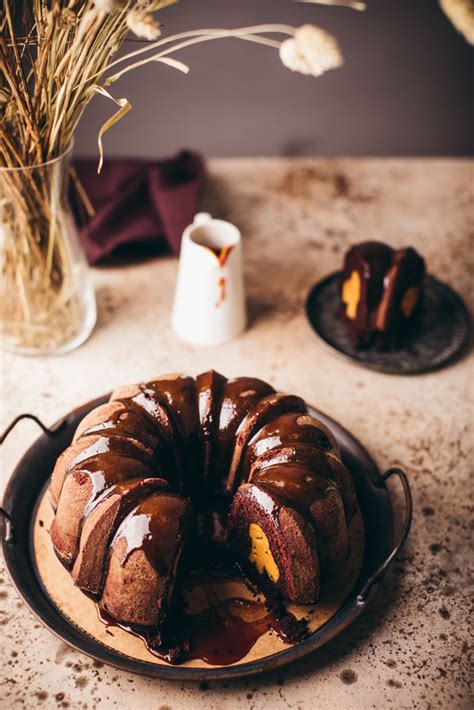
x=137, y=201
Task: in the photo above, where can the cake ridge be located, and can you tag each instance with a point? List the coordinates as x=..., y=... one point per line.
x=88, y=447
x=177, y=394
x=209, y=392
x=164, y=425
x=310, y=455
x=121, y=416
x=240, y=395
x=253, y=421
x=90, y=574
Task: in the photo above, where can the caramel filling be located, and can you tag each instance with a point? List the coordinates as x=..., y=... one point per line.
x=351, y=294
x=260, y=554
x=409, y=300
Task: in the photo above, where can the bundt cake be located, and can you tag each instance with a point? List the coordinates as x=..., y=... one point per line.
x=381, y=293
x=147, y=465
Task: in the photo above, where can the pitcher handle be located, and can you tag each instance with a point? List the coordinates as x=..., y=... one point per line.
x=202, y=218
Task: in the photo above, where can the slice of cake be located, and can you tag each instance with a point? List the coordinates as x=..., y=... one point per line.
x=144, y=558
x=275, y=543
x=100, y=526
x=381, y=293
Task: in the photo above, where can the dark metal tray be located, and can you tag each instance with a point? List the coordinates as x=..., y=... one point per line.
x=31, y=474
x=441, y=336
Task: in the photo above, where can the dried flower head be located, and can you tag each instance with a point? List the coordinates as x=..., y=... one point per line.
x=311, y=51
x=5, y=96
x=67, y=19
x=143, y=24
x=461, y=14
x=109, y=5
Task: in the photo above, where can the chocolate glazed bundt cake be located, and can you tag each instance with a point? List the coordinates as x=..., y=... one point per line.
x=143, y=468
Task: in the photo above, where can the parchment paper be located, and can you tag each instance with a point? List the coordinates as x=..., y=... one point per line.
x=82, y=611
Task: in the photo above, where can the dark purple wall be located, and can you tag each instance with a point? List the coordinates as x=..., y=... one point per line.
x=405, y=88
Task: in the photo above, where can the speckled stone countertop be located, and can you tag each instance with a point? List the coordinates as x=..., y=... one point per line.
x=411, y=649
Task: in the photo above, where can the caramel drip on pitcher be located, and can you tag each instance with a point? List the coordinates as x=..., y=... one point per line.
x=221, y=254
x=222, y=285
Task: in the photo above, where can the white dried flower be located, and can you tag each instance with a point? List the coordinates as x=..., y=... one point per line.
x=461, y=14
x=311, y=51
x=143, y=24
x=109, y=5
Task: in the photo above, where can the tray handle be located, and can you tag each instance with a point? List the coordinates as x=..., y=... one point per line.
x=381, y=570
x=50, y=431
x=47, y=430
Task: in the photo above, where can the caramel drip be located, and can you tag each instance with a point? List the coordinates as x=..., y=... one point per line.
x=222, y=255
x=222, y=291
x=221, y=634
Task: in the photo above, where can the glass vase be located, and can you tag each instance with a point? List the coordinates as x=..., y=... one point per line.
x=47, y=302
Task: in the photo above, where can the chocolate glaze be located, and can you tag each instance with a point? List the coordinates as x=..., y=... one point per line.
x=318, y=499
x=146, y=400
x=318, y=462
x=154, y=527
x=286, y=430
x=178, y=395
x=112, y=471
x=83, y=488
x=86, y=450
x=210, y=388
x=144, y=560
x=269, y=501
x=268, y=408
x=296, y=485
x=240, y=395
x=114, y=444
x=125, y=420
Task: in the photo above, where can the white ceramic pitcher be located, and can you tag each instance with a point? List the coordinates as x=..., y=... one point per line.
x=209, y=301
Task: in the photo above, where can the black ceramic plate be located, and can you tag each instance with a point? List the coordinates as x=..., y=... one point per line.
x=442, y=334
x=32, y=473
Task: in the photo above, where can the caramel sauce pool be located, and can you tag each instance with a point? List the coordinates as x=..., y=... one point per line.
x=219, y=635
